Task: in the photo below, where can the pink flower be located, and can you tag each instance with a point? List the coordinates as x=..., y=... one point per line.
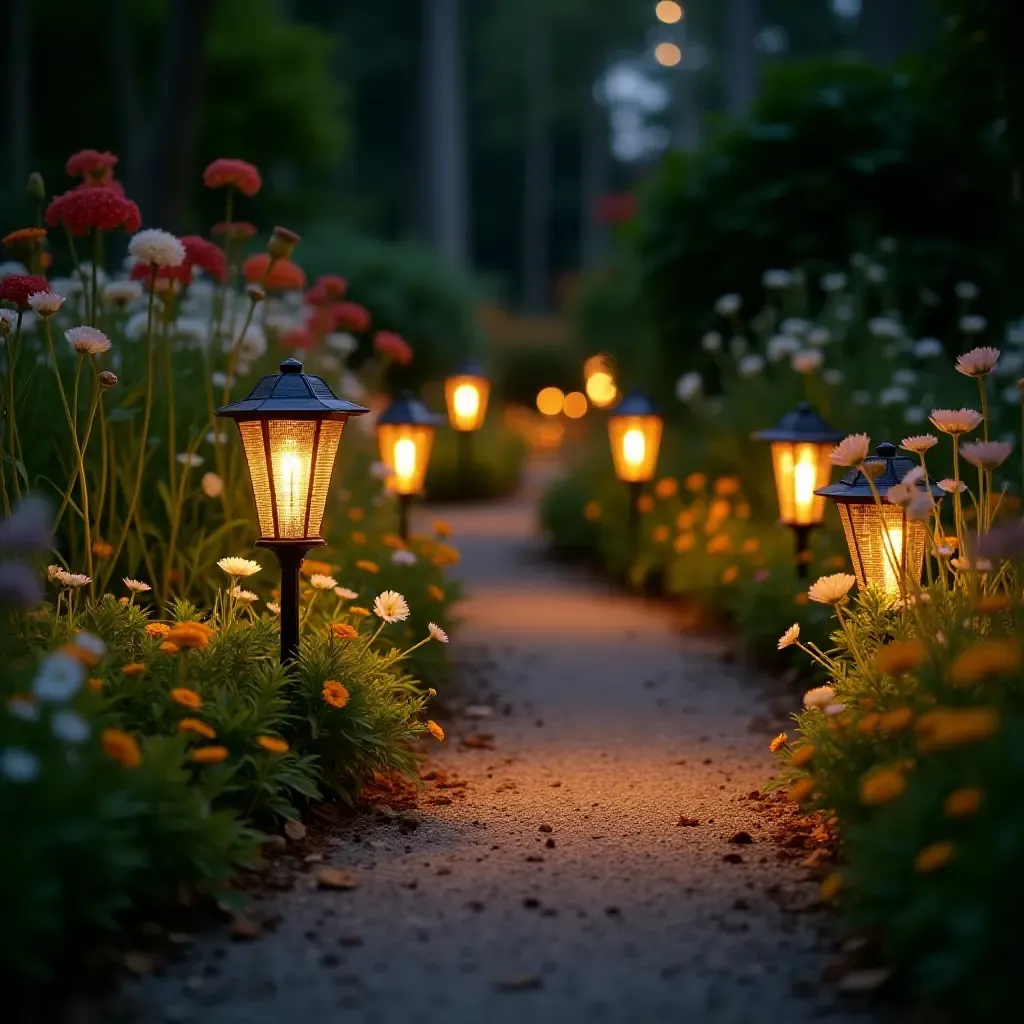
x=237, y=173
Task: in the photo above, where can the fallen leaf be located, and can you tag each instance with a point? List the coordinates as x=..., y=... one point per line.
x=295, y=831
x=335, y=878
x=863, y=981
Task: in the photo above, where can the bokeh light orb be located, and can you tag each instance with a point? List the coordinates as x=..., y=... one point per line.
x=668, y=55
x=575, y=405
x=601, y=389
x=550, y=401
x=668, y=12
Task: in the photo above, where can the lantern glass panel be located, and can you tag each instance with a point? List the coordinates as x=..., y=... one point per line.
x=635, y=441
x=290, y=465
x=405, y=450
x=882, y=542
x=800, y=468
x=466, y=396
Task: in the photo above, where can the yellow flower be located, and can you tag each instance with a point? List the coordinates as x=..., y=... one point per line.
x=133, y=669
x=696, y=482
x=660, y=534
x=778, y=743
x=200, y=728
x=802, y=755
x=273, y=744
x=831, y=886
x=997, y=657
x=435, y=730
x=442, y=529
x=731, y=575
x=236, y=567
x=726, y=486
x=831, y=589
x=896, y=720
x=435, y=593
x=790, y=637
x=933, y=857
x=645, y=503
x=592, y=511
x=157, y=629
x=121, y=747
x=310, y=567
x=881, y=786
x=800, y=790
x=357, y=537
x=335, y=694
x=901, y=656
x=390, y=606
x=944, y=728
x=208, y=755
x=186, y=698
x=684, y=542
x=367, y=566
x=666, y=487
x=343, y=631
x=356, y=514
x=963, y=802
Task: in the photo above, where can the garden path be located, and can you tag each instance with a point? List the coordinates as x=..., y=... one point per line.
x=556, y=885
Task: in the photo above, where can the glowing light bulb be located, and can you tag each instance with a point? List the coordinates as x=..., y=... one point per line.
x=405, y=459
x=291, y=496
x=805, y=476
x=892, y=549
x=634, y=447
x=466, y=402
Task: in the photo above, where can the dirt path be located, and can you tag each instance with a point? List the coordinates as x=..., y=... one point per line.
x=556, y=885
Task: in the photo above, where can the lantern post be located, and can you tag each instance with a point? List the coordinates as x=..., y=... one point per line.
x=291, y=427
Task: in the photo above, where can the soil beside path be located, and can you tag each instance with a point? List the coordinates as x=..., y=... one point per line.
x=556, y=884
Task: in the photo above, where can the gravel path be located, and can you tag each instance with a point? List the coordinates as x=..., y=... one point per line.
x=556, y=884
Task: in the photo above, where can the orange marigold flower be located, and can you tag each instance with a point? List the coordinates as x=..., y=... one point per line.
x=445, y=554
x=435, y=730
x=157, y=629
x=238, y=173
x=881, y=786
x=933, y=857
x=101, y=549
x=720, y=544
x=357, y=537
x=684, y=542
x=121, y=747
x=751, y=546
x=802, y=755
x=187, y=698
x=742, y=510
x=645, y=503
x=343, y=631
x=686, y=520
x=696, y=482
x=800, y=790
x=660, y=534
x=592, y=511
x=393, y=541
x=963, y=802
x=778, y=743
x=992, y=604
x=901, y=656
x=168, y=647
x=23, y=236
x=82, y=655
x=134, y=668
x=208, y=755
x=335, y=694
x=435, y=593
x=311, y=567
x=731, y=575
x=274, y=744
x=95, y=685
x=944, y=728
x=869, y=723
x=997, y=657
x=360, y=613
x=367, y=566
x=831, y=887
x=726, y=486
x=356, y=514
x=442, y=529
x=190, y=634
x=666, y=487
x=280, y=276
x=197, y=726
x=896, y=720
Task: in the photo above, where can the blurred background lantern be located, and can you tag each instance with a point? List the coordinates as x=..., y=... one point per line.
x=405, y=433
x=466, y=393
x=291, y=426
x=801, y=444
x=886, y=546
x=634, y=430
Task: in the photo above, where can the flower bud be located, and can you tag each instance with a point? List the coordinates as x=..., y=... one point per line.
x=107, y=379
x=282, y=243
x=36, y=187
x=256, y=294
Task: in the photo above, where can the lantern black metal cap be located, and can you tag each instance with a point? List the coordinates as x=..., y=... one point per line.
x=291, y=394
x=408, y=410
x=469, y=369
x=634, y=404
x=801, y=424
x=854, y=487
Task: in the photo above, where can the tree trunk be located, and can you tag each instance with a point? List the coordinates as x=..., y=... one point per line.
x=536, y=211
x=743, y=17
x=445, y=124
x=20, y=99
x=169, y=163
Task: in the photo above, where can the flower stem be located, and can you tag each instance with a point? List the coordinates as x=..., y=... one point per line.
x=94, y=317
x=984, y=403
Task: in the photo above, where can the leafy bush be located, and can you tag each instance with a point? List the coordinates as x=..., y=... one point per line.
x=495, y=463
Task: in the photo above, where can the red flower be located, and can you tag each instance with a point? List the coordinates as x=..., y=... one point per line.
x=298, y=338
x=616, y=208
x=350, y=316
x=16, y=288
x=320, y=321
x=328, y=288
x=393, y=347
x=283, y=276
x=94, y=206
x=181, y=273
x=97, y=168
x=112, y=184
x=242, y=175
x=205, y=255
x=241, y=230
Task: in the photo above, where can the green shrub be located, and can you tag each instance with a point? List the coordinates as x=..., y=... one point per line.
x=495, y=463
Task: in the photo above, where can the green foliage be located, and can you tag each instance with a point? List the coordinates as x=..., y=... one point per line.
x=835, y=155
x=497, y=455
x=522, y=370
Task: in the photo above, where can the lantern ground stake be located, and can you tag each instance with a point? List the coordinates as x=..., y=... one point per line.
x=465, y=463
x=636, y=490
x=291, y=427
